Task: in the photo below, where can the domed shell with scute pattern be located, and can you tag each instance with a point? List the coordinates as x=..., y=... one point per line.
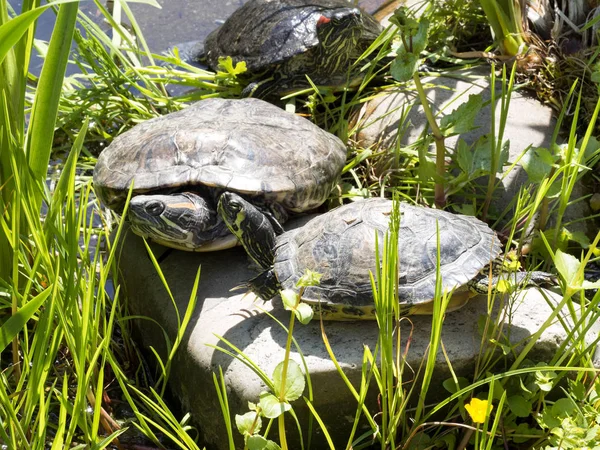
x=246, y=146
x=340, y=245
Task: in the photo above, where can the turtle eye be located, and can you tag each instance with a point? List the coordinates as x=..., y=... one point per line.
x=155, y=208
x=235, y=206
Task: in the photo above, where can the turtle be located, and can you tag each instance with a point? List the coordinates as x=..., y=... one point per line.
x=182, y=162
x=340, y=245
x=282, y=42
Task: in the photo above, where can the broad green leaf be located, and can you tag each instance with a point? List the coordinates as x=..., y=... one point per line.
x=406, y=23
x=450, y=385
x=538, y=164
x=563, y=407
x=404, y=66
x=244, y=423
x=519, y=406
x=289, y=298
x=461, y=119
x=482, y=157
x=294, y=381
x=592, y=434
x=271, y=406
x=412, y=32
x=577, y=390
x=466, y=208
x=260, y=443
x=426, y=168
x=498, y=391
x=419, y=40
x=17, y=321
x=304, y=313
x=464, y=156
x=593, y=145
x=579, y=237
x=547, y=419
x=256, y=443
x=525, y=430
x=567, y=266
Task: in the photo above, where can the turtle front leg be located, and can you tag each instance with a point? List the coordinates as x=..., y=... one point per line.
x=262, y=89
x=250, y=225
x=480, y=284
x=275, y=86
x=265, y=285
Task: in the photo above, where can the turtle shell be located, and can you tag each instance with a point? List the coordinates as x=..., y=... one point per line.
x=265, y=33
x=247, y=146
x=340, y=245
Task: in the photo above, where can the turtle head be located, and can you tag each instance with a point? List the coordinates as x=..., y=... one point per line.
x=184, y=220
x=339, y=29
x=346, y=30
x=250, y=225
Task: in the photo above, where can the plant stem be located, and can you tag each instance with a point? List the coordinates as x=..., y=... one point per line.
x=288, y=346
x=440, y=148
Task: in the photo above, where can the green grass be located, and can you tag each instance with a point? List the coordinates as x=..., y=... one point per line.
x=65, y=339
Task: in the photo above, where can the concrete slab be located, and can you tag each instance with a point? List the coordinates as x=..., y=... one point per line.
x=245, y=324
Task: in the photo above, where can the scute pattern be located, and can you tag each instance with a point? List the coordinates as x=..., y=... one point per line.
x=248, y=146
x=278, y=30
x=341, y=246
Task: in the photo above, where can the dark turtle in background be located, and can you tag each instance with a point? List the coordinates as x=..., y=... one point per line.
x=284, y=41
x=182, y=162
x=340, y=245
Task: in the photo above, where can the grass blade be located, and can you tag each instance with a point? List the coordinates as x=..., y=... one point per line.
x=45, y=106
x=17, y=321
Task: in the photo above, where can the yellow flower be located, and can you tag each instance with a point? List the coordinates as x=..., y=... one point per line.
x=478, y=409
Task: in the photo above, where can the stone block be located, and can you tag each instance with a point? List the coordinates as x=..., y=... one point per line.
x=244, y=323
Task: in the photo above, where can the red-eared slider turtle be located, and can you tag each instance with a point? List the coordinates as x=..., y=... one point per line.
x=340, y=245
x=182, y=162
x=284, y=41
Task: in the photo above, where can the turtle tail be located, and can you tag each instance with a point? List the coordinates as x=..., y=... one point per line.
x=518, y=280
x=265, y=285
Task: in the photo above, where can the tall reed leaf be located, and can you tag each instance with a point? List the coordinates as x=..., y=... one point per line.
x=14, y=29
x=45, y=107
x=16, y=322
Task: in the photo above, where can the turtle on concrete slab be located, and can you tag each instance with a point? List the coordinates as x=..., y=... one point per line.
x=282, y=42
x=182, y=162
x=340, y=245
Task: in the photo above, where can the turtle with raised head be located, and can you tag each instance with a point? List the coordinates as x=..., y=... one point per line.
x=282, y=42
x=340, y=245
x=181, y=163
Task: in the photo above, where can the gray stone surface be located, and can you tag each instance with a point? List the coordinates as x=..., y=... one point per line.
x=530, y=124
x=243, y=323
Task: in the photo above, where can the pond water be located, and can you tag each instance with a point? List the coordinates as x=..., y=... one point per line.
x=175, y=22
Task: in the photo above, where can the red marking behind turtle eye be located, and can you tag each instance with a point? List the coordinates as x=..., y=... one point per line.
x=323, y=20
